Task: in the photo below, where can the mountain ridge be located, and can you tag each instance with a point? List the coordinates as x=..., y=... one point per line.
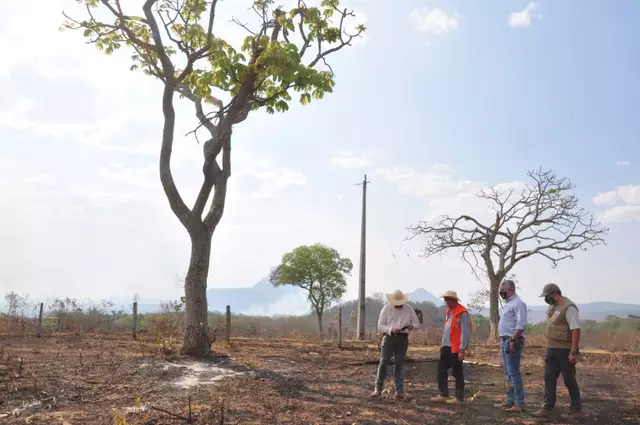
x=263, y=299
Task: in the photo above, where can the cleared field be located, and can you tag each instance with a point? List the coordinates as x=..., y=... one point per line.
x=81, y=379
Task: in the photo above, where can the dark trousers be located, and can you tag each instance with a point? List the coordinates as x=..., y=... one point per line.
x=449, y=360
x=396, y=346
x=556, y=362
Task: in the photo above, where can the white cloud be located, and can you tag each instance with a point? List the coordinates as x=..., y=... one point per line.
x=469, y=203
x=442, y=168
x=445, y=193
x=630, y=194
x=624, y=203
x=258, y=178
x=523, y=18
x=622, y=163
x=347, y=159
x=145, y=177
x=621, y=214
x=436, y=182
x=272, y=179
x=434, y=21
x=606, y=198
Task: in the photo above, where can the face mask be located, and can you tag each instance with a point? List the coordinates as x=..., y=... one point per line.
x=549, y=300
x=503, y=295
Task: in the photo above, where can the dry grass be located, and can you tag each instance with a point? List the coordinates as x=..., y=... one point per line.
x=82, y=378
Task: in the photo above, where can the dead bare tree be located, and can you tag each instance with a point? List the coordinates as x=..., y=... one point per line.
x=542, y=219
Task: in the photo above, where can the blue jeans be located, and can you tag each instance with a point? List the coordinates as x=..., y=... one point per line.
x=511, y=364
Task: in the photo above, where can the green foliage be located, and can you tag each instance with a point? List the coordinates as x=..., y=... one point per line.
x=318, y=269
x=268, y=64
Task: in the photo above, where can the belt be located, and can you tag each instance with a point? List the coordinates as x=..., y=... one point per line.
x=507, y=338
x=400, y=334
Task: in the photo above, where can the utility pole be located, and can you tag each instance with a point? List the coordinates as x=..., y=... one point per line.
x=363, y=260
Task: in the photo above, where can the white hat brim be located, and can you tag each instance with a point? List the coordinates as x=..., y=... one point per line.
x=450, y=295
x=394, y=301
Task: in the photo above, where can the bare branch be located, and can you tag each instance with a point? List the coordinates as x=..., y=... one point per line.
x=237, y=22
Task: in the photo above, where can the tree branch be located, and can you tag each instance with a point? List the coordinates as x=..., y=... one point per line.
x=343, y=42
x=167, y=65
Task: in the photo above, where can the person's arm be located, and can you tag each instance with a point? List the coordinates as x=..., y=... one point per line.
x=465, y=331
x=573, y=318
x=382, y=320
x=521, y=320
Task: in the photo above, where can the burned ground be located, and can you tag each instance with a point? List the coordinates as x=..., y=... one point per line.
x=81, y=379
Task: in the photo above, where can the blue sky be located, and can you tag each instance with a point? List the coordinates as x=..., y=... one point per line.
x=483, y=91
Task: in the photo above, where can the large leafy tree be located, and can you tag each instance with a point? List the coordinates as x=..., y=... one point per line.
x=319, y=270
x=543, y=219
x=175, y=42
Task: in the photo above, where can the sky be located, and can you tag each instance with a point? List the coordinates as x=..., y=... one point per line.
x=440, y=99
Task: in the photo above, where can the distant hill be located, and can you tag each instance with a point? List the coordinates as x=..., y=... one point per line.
x=260, y=299
x=421, y=295
x=265, y=299
x=589, y=311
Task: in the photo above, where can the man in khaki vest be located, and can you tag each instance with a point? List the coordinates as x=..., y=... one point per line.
x=562, y=335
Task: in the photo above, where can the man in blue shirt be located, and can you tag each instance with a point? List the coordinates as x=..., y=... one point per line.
x=511, y=327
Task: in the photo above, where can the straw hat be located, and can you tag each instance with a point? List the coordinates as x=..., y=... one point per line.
x=397, y=297
x=450, y=294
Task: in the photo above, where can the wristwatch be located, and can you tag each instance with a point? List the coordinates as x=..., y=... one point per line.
x=575, y=353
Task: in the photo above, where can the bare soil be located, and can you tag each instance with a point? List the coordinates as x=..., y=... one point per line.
x=81, y=379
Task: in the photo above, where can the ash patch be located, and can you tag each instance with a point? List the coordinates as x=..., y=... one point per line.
x=190, y=373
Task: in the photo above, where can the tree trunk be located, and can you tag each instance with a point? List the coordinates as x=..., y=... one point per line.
x=319, y=315
x=494, y=313
x=196, y=337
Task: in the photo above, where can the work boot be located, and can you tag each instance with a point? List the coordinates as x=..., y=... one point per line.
x=440, y=399
x=516, y=408
x=503, y=405
x=544, y=413
x=575, y=414
x=453, y=401
x=399, y=396
x=375, y=394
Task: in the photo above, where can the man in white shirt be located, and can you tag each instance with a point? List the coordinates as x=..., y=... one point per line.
x=396, y=320
x=511, y=327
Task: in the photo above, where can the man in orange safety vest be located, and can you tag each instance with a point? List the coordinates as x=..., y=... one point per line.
x=455, y=341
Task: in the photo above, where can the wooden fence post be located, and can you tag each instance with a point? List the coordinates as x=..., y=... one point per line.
x=135, y=319
x=340, y=328
x=227, y=325
x=39, y=329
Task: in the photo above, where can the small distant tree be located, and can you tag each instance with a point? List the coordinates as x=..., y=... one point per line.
x=177, y=42
x=16, y=303
x=319, y=270
x=543, y=219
